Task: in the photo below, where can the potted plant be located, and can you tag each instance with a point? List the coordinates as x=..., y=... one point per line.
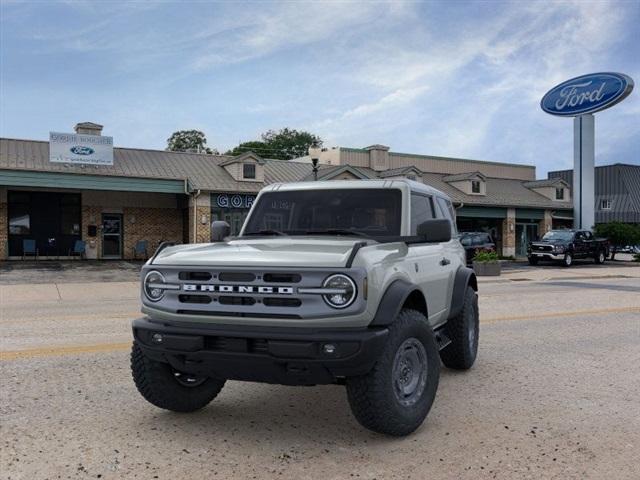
x=486, y=264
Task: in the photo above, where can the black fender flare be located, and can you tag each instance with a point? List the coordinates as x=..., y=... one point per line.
x=392, y=301
x=465, y=277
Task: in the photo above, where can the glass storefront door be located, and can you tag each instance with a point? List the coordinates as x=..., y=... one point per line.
x=112, y=235
x=525, y=233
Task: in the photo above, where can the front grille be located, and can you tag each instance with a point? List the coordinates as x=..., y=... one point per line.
x=250, y=292
x=195, y=276
x=195, y=299
x=229, y=300
x=237, y=277
x=233, y=344
x=282, y=277
x=543, y=248
x=282, y=302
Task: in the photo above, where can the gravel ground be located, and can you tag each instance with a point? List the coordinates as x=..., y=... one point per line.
x=554, y=394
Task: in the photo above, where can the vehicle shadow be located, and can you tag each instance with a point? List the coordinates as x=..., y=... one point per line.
x=277, y=414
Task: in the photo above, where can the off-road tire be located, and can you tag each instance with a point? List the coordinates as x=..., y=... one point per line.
x=156, y=382
x=463, y=332
x=532, y=260
x=600, y=257
x=372, y=396
x=567, y=261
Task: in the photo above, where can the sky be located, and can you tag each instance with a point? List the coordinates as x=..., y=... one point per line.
x=450, y=78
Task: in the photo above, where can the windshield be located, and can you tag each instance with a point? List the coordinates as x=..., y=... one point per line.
x=558, y=235
x=364, y=212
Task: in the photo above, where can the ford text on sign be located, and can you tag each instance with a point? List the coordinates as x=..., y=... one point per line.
x=587, y=94
x=86, y=149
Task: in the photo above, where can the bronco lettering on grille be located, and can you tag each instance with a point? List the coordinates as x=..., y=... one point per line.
x=190, y=287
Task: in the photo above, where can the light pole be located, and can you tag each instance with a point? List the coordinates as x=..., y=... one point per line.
x=314, y=153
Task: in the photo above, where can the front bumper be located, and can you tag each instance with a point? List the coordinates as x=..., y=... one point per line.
x=291, y=356
x=546, y=255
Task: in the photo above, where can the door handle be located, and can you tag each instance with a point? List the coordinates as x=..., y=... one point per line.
x=445, y=261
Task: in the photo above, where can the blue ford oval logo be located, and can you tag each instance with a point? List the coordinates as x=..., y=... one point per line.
x=79, y=150
x=587, y=94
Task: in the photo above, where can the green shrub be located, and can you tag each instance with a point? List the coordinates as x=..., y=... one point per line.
x=618, y=234
x=483, y=256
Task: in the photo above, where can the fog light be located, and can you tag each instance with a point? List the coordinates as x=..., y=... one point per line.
x=329, y=348
x=157, y=338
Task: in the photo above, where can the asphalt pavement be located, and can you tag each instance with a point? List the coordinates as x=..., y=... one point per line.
x=554, y=394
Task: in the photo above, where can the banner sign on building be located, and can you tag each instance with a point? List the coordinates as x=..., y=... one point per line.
x=80, y=149
x=587, y=94
x=237, y=200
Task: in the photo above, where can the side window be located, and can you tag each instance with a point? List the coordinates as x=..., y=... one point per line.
x=447, y=211
x=421, y=210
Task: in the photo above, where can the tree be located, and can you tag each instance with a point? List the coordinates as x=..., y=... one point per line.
x=619, y=234
x=188, y=141
x=289, y=144
x=257, y=147
x=284, y=144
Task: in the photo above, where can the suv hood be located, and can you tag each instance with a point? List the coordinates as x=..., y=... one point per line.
x=258, y=252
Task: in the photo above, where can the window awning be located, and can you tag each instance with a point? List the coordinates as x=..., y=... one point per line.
x=29, y=178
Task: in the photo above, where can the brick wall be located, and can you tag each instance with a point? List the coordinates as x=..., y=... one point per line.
x=152, y=224
x=203, y=231
x=545, y=224
x=91, y=215
x=509, y=233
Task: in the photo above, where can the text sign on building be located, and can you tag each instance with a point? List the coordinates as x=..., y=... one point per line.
x=77, y=148
x=224, y=200
x=587, y=94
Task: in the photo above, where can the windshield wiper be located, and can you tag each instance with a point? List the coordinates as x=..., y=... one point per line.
x=337, y=231
x=266, y=232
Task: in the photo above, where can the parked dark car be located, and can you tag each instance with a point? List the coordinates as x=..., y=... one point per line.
x=476, y=241
x=564, y=246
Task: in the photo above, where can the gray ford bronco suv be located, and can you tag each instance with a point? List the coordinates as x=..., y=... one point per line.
x=360, y=283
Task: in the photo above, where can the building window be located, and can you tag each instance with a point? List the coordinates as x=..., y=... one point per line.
x=249, y=170
x=559, y=193
x=605, y=204
x=475, y=186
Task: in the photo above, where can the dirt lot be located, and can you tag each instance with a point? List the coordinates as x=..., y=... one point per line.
x=554, y=393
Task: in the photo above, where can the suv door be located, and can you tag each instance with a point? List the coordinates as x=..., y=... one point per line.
x=425, y=262
x=451, y=260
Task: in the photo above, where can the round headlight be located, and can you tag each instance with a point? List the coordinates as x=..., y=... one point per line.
x=152, y=286
x=344, y=291
x=560, y=248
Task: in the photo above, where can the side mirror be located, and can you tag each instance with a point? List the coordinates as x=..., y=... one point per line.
x=219, y=230
x=435, y=231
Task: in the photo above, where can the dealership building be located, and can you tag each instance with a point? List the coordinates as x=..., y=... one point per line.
x=113, y=199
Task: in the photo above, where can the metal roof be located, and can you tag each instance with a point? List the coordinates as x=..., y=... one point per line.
x=463, y=176
x=205, y=172
x=201, y=170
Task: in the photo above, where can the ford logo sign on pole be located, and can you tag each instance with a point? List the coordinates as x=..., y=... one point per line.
x=580, y=97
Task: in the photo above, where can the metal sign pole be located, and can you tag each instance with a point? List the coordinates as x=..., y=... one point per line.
x=583, y=171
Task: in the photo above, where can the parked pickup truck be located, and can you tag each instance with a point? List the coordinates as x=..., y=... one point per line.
x=566, y=245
